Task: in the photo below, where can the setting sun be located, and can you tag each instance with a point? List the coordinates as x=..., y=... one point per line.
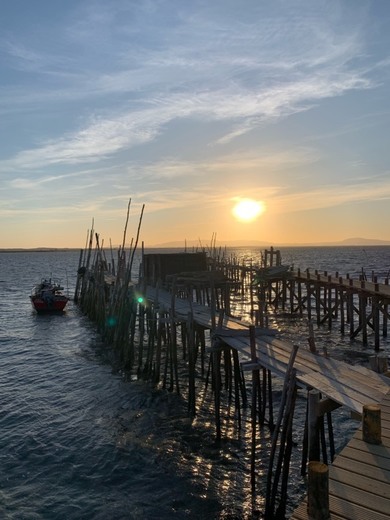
x=247, y=210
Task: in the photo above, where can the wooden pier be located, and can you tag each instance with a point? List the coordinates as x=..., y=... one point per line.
x=143, y=322
x=357, y=306
x=360, y=477
x=348, y=385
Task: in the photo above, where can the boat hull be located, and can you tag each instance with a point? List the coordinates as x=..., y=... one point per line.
x=47, y=296
x=57, y=304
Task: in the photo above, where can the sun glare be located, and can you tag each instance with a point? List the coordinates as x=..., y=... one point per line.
x=247, y=210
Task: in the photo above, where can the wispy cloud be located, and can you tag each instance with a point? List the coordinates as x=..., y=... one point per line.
x=326, y=196
x=232, y=71
x=245, y=109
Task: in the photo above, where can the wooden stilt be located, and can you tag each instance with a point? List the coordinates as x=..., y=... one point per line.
x=372, y=424
x=318, y=491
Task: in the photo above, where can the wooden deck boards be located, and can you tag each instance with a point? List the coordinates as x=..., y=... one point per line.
x=333, y=378
x=359, y=478
x=201, y=313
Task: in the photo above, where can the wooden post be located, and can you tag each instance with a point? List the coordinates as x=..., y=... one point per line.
x=375, y=309
x=372, y=424
x=379, y=364
x=350, y=311
x=313, y=425
x=80, y=273
x=300, y=302
x=318, y=301
x=286, y=395
x=385, y=314
x=318, y=491
x=363, y=316
x=342, y=310
x=308, y=296
x=328, y=303
x=312, y=342
x=255, y=386
x=191, y=365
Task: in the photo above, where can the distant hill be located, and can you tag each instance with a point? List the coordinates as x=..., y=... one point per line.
x=181, y=244
x=37, y=249
x=355, y=241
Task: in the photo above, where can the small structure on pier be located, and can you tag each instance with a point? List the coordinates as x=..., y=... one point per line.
x=156, y=267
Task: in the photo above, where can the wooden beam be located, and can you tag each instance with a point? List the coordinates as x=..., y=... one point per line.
x=327, y=405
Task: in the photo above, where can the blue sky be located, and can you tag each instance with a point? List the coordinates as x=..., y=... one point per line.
x=188, y=107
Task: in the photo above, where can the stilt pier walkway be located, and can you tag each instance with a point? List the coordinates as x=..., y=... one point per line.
x=359, y=478
x=360, y=305
x=346, y=385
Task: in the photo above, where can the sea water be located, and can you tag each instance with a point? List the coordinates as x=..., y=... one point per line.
x=79, y=439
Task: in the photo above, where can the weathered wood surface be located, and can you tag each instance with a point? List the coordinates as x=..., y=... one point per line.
x=359, y=478
x=201, y=313
x=347, y=385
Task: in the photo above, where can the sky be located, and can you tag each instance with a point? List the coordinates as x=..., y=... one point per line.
x=187, y=108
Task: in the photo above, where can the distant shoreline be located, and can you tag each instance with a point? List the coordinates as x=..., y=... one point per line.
x=39, y=250
x=191, y=247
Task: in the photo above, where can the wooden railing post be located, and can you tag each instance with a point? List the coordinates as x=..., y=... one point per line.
x=372, y=424
x=318, y=491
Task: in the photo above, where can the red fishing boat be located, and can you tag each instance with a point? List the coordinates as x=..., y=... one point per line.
x=47, y=296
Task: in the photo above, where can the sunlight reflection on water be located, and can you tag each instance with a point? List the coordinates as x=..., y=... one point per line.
x=80, y=440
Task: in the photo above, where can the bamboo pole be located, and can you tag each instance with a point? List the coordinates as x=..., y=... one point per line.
x=255, y=386
x=276, y=433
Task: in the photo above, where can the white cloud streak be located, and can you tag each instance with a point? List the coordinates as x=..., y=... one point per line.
x=234, y=71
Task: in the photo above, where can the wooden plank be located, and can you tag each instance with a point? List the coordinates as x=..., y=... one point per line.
x=385, y=407
x=244, y=333
x=367, y=383
x=270, y=364
x=360, y=497
x=365, y=457
x=383, y=381
x=341, y=510
x=377, y=469
x=361, y=482
x=364, y=376
x=375, y=449
x=326, y=387
x=348, y=393
x=335, y=389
